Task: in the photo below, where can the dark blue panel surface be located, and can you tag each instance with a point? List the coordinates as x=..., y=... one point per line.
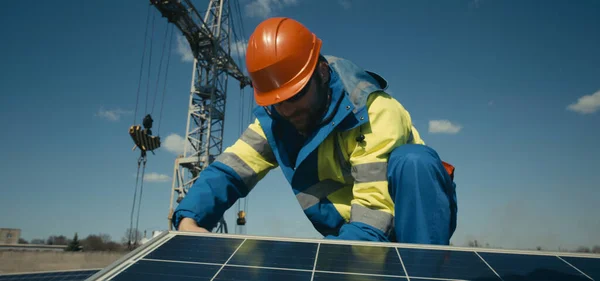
x=446, y=264
x=295, y=255
x=322, y=276
x=359, y=259
x=230, y=273
x=514, y=267
x=196, y=249
x=79, y=275
x=589, y=266
x=172, y=271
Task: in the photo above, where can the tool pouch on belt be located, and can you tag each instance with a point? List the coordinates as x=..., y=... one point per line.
x=450, y=169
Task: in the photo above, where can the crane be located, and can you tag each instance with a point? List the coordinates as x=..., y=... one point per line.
x=209, y=38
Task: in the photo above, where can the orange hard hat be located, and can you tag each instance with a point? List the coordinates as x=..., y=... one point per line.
x=280, y=59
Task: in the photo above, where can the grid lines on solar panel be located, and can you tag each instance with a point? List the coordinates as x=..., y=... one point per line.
x=589, y=266
x=359, y=259
x=464, y=265
x=517, y=267
x=196, y=249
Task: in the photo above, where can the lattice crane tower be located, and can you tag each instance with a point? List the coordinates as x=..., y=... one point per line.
x=210, y=41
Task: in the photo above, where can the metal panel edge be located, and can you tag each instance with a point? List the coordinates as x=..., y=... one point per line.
x=122, y=263
x=49, y=271
x=390, y=244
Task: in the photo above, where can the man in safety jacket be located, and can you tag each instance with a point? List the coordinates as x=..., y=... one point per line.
x=355, y=162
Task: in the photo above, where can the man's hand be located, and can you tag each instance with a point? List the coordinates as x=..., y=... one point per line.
x=187, y=224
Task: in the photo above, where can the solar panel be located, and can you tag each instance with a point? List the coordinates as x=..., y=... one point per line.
x=214, y=256
x=71, y=275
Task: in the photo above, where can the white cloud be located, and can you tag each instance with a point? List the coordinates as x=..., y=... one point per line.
x=155, y=177
x=266, y=8
x=443, y=127
x=346, y=4
x=238, y=48
x=586, y=104
x=183, y=49
x=112, y=114
x=174, y=143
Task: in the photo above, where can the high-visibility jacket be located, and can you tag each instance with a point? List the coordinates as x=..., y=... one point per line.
x=338, y=174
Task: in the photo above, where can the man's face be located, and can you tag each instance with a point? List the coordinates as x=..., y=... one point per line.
x=305, y=109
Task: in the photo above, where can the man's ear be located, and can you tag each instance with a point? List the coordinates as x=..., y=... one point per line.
x=324, y=72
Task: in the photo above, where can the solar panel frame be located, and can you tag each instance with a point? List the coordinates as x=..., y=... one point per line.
x=138, y=254
x=55, y=275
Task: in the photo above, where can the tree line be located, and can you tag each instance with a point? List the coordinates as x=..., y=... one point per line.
x=93, y=242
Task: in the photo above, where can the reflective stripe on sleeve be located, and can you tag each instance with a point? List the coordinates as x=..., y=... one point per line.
x=249, y=177
x=378, y=219
x=314, y=194
x=258, y=143
x=370, y=172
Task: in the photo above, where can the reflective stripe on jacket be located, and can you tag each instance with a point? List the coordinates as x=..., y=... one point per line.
x=339, y=174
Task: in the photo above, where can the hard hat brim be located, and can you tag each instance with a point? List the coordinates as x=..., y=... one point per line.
x=291, y=88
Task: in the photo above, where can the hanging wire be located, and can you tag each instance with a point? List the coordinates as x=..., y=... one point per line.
x=133, y=205
x=165, y=84
x=137, y=99
x=245, y=109
x=137, y=223
x=150, y=61
x=162, y=54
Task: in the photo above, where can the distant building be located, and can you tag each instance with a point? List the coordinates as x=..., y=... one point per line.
x=154, y=234
x=10, y=236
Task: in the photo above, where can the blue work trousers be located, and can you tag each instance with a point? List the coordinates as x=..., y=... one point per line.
x=424, y=196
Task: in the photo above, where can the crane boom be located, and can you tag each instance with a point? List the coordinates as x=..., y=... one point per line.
x=209, y=40
x=205, y=48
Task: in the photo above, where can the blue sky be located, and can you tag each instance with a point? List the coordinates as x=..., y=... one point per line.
x=518, y=82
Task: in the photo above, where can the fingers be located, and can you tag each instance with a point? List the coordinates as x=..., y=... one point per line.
x=190, y=225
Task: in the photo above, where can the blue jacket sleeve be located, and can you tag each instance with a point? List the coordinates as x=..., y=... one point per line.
x=231, y=176
x=215, y=191
x=359, y=231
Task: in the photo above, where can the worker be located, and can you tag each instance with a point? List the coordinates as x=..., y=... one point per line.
x=357, y=165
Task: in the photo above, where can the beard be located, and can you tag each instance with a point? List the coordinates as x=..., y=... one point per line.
x=315, y=114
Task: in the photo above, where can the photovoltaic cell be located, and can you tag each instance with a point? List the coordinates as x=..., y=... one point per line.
x=325, y=276
x=279, y=254
x=230, y=273
x=590, y=266
x=196, y=249
x=446, y=264
x=359, y=259
x=78, y=275
x=158, y=271
x=515, y=267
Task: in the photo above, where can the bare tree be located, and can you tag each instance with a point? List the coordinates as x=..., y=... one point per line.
x=596, y=249
x=113, y=246
x=57, y=240
x=583, y=249
x=93, y=243
x=474, y=244
x=38, y=241
x=132, y=236
x=105, y=238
